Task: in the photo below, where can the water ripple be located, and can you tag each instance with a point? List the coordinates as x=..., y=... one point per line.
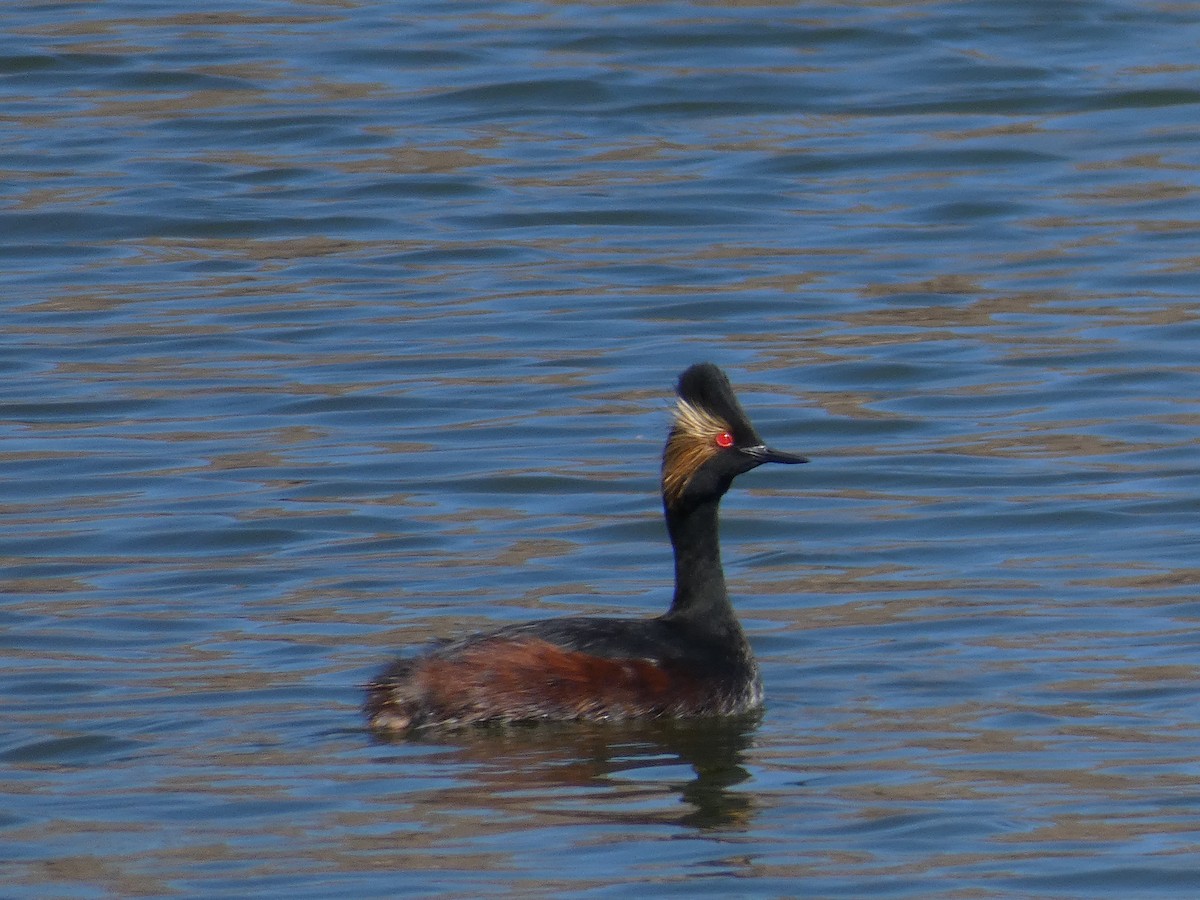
x=332, y=329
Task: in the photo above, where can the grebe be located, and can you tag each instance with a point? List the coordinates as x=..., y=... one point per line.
x=692, y=661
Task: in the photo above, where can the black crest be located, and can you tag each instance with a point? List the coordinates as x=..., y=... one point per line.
x=705, y=387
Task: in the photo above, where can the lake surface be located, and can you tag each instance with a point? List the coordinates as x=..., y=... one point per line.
x=334, y=327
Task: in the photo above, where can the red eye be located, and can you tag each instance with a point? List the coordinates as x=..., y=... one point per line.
x=724, y=439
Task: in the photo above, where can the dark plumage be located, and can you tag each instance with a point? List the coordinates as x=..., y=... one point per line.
x=693, y=660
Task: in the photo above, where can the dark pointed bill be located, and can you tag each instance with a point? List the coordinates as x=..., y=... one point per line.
x=765, y=454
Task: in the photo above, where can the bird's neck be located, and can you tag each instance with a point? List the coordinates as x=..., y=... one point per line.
x=700, y=594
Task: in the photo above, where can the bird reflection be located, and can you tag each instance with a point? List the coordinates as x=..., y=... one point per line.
x=627, y=772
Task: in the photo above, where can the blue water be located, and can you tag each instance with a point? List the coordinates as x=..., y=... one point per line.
x=331, y=328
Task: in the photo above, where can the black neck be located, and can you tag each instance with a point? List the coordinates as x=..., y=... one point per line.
x=700, y=594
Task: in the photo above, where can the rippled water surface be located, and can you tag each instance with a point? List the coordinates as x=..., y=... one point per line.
x=333, y=327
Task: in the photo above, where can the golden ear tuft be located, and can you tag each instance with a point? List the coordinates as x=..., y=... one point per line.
x=697, y=422
x=692, y=443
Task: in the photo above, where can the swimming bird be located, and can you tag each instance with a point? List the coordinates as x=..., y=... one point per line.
x=694, y=660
